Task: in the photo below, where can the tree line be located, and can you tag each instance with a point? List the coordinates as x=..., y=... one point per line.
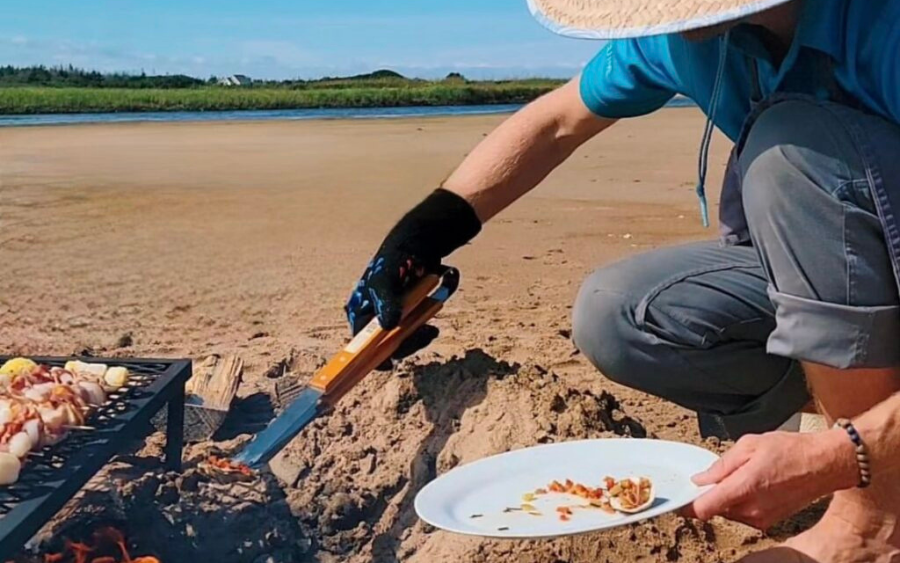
x=72, y=77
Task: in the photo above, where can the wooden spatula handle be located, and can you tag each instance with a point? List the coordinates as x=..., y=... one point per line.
x=365, y=344
x=381, y=351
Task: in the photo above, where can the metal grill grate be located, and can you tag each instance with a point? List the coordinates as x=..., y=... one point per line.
x=52, y=476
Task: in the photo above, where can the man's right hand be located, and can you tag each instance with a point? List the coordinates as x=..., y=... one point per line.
x=440, y=224
x=379, y=291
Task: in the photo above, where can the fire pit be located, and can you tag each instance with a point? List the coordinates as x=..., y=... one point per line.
x=108, y=546
x=55, y=474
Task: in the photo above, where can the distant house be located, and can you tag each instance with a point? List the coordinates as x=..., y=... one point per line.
x=235, y=80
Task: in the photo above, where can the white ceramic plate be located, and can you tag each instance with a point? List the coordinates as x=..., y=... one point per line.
x=488, y=486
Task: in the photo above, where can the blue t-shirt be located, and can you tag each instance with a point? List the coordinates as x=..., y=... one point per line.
x=637, y=76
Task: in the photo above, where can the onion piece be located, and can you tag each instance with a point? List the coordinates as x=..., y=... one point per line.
x=54, y=417
x=6, y=412
x=74, y=416
x=37, y=393
x=94, y=394
x=83, y=369
x=32, y=427
x=9, y=468
x=20, y=445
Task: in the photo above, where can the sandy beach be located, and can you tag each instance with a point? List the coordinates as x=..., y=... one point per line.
x=245, y=238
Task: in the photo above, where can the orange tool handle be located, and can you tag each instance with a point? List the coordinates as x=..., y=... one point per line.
x=358, y=353
x=383, y=349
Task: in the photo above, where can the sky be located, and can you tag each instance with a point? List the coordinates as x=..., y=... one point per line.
x=288, y=38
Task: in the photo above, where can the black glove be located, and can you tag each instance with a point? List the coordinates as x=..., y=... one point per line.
x=432, y=230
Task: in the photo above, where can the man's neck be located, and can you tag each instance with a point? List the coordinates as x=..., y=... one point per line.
x=781, y=23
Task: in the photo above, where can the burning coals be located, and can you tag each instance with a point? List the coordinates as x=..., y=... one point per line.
x=175, y=517
x=108, y=546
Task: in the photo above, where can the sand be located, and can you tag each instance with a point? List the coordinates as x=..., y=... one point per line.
x=184, y=240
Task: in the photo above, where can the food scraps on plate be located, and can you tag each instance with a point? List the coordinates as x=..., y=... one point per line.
x=629, y=496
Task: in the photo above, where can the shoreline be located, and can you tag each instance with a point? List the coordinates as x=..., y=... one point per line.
x=266, y=115
x=252, y=116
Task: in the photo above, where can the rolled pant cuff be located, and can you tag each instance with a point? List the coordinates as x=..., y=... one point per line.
x=839, y=336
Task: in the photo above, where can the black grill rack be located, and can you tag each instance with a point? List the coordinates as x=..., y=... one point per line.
x=55, y=474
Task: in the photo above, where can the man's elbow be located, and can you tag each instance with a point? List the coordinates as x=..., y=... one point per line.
x=572, y=120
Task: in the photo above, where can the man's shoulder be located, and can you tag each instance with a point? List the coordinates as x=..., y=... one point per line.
x=631, y=77
x=671, y=53
x=662, y=48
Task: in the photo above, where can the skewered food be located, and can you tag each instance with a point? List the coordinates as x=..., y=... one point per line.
x=95, y=371
x=109, y=377
x=40, y=404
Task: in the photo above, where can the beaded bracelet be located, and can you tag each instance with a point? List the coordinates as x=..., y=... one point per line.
x=862, y=452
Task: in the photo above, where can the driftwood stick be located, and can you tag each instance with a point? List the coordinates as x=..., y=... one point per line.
x=216, y=381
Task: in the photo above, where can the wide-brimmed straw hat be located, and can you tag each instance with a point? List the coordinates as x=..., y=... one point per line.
x=615, y=19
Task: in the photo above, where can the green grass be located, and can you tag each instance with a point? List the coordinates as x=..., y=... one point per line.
x=330, y=94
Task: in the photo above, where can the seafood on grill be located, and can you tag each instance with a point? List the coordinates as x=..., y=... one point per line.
x=22, y=373
x=109, y=377
x=40, y=404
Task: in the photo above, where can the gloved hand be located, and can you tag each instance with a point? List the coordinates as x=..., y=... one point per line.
x=432, y=230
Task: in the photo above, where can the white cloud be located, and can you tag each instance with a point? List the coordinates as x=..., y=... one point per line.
x=96, y=55
x=281, y=53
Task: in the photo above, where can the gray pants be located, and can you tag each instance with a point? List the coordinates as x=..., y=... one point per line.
x=720, y=329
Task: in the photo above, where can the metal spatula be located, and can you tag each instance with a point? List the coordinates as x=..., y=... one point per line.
x=372, y=346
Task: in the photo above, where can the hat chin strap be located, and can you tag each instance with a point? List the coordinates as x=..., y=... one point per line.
x=703, y=164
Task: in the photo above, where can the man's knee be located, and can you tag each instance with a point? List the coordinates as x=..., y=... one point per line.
x=603, y=323
x=796, y=154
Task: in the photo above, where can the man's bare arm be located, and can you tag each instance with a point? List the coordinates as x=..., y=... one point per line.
x=508, y=163
x=520, y=153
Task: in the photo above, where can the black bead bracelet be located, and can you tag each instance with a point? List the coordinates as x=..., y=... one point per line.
x=862, y=452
